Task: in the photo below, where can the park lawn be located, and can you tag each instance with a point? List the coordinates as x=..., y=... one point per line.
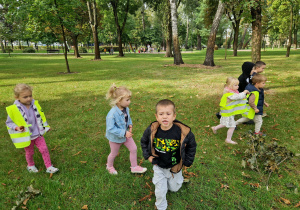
x=76, y=108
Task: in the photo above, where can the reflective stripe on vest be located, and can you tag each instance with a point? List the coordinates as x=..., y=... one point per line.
x=251, y=112
x=233, y=108
x=41, y=112
x=20, y=139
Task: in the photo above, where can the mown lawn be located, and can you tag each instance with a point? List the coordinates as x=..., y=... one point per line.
x=76, y=108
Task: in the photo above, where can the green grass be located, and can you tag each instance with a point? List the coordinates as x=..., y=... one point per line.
x=76, y=108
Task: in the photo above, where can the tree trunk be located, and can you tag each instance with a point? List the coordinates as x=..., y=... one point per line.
x=209, y=58
x=169, y=34
x=199, y=47
x=229, y=41
x=64, y=37
x=119, y=29
x=92, y=9
x=290, y=34
x=246, y=43
x=20, y=47
x=2, y=46
x=256, y=32
x=187, y=34
x=236, y=28
x=243, y=37
x=75, y=43
x=176, y=48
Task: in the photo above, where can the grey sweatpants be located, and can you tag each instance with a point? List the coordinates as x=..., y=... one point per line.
x=257, y=120
x=164, y=180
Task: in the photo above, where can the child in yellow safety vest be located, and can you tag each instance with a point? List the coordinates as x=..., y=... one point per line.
x=232, y=103
x=26, y=124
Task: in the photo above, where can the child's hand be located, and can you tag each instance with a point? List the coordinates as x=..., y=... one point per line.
x=130, y=128
x=246, y=92
x=150, y=159
x=266, y=104
x=256, y=110
x=128, y=134
x=20, y=129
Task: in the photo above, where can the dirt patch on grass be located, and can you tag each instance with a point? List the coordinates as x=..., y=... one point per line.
x=68, y=73
x=198, y=66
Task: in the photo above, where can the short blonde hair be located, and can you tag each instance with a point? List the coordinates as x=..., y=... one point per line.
x=19, y=88
x=116, y=94
x=258, y=78
x=230, y=81
x=165, y=102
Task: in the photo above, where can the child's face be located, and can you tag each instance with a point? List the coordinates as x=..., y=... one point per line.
x=260, y=85
x=125, y=102
x=165, y=116
x=260, y=69
x=235, y=86
x=25, y=97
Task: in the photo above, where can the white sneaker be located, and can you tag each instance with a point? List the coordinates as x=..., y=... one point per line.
x=52, y=170
x=32, y=169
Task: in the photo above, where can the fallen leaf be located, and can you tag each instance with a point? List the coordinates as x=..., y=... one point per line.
x=10, y=172
x=207, y=126
x=54, y=148
x=85, y=207
x=77, y=153
x=246, y=175
x=83, y=161
x=25, y=201
x=51, y=175
x=286, y=201
x=3, y=184
x=147, y=196
x=275, y=139
x=297, y=205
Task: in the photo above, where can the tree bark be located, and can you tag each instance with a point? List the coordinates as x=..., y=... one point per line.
x=176, y=48
x=229, y=41
x=243, y=37
x=288, y=50
x=75, y=43
x=64, y=37
x=169, y=34
x=236, y=37
x=187, y=34
x=256, y=32
x=199, y=47
x=2, y=46
x=246, y=43
x=93, y=20
x=120, y=29
x=209, y=58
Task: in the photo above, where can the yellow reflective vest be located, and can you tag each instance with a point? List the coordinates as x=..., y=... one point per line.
x=251, y=113
x=234, y=107
x=22, y=139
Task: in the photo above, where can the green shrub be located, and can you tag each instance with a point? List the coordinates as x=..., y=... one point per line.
x=8, y=50
x=28, y=50
x=83, y=50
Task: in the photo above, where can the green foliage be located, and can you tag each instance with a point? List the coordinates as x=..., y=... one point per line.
x=8, y=50
x=29, y=50
x=82, y=50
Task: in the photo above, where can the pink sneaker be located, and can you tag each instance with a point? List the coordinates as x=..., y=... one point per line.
x=229, y=141
x=112, y=170
x=138, y=170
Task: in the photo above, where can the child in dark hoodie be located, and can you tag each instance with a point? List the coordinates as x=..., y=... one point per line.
x=246, y=76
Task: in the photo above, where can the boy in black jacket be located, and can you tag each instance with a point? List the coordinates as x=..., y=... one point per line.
x=168, y=144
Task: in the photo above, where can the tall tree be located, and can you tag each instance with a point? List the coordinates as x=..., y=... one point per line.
x=176, y=48
x=256, y=10
x=209, y=58
x=93, y=20
x=120, y=9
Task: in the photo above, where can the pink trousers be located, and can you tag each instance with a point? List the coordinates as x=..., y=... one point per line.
x=114, y=150
x=41, y=145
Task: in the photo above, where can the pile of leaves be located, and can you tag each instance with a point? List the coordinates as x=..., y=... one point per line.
x=23, y=197
x=263, y=157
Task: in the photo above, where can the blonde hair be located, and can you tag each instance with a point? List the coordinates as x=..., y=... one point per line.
x=258, y=78
x=19, y=88
x=230, y=81
x=116, y=94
